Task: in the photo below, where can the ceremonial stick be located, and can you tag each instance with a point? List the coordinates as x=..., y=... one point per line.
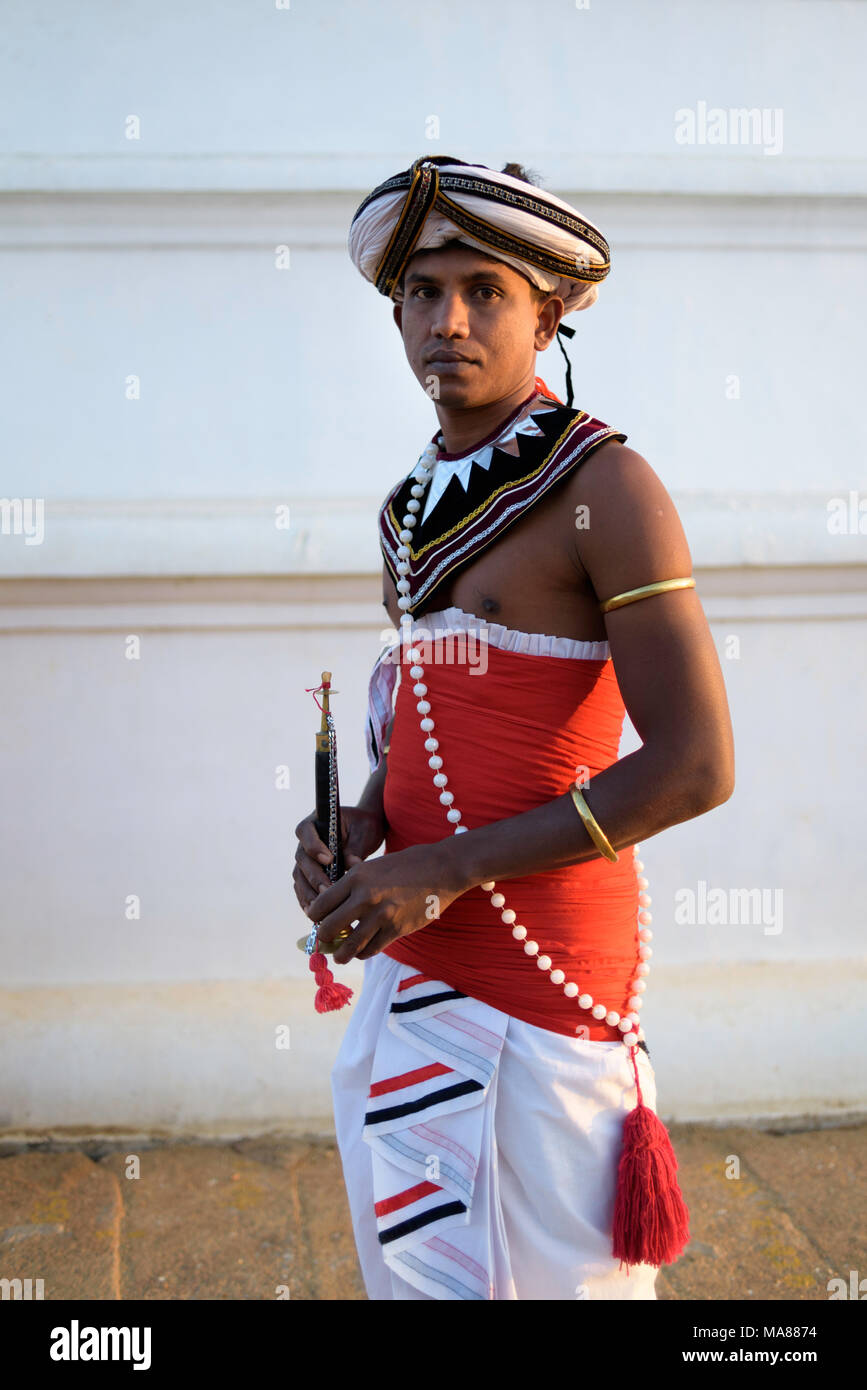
x=329, y=995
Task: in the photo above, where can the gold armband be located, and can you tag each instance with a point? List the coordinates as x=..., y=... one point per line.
x=594, y=829
x=646, y=591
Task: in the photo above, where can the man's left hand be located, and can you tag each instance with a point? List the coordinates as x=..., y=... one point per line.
x=389, y=896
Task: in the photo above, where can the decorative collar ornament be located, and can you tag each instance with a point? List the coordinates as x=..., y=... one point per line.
x=480, y=494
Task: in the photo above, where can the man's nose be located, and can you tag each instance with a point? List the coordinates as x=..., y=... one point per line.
x=450, y=320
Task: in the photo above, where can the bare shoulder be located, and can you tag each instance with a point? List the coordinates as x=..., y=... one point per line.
x=627, y=529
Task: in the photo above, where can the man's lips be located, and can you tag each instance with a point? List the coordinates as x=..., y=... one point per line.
x=448, y=359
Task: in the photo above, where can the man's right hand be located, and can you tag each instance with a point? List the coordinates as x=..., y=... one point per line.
x=362, y=833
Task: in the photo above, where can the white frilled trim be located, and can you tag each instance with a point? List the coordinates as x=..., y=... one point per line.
x=380, y=698
x=510, y=639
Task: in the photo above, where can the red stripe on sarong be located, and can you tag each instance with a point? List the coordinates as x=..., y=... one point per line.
x=414, y=980
x=403, y=1199
x=408, y=1078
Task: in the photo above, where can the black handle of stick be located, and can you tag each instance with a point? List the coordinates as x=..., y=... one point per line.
x=337, y=868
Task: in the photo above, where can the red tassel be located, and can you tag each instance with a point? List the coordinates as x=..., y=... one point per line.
x=651, y=1219
x=329, y=995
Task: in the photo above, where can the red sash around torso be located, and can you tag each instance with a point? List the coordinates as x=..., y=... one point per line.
x=511, y=738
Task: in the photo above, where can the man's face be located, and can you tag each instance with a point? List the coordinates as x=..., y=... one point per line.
x=471, y=325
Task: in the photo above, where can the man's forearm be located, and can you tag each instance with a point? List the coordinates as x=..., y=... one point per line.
x=634, y=798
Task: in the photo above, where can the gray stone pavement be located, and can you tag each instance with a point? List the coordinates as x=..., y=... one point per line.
x=773, y=1216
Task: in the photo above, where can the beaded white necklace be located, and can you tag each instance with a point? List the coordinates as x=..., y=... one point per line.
x=629, y=1024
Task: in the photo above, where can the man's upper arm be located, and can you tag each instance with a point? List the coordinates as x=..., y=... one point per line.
x=663, y=652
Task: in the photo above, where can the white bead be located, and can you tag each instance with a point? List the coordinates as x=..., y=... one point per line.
x=634, y=1001
x=598, y=1011
x=423, y=706
x=585, y=1001
x=404, y=602
x=417, y=490
x=557, y=977
x=571, y=989
x=630, y=1039
x=624, y=1025
x=645, y=918
x=404, y=536
x=409, y=520
x=419, y=689
x=413, y=506
x=645, y=934
x=403, y=553
x=639, y=865
x=497, y=899
x=415, y=671
x=612, y=1017
x=639, y=986
x=508, y=916
x=645, y=899
x=645, y=952
x=519, y=933
x=403, y=586
x=446, y=798
x=427, y=723
x=460, y=829
x=636, y=848
x=544, y=962
x=453, y=815
x=414, y=655
x=634, y=1019
x=488, y=887
x=642, y=969
x=531, y=947
x=440, y=779
x=642, y=883
x=431, y=744
x=435, y=760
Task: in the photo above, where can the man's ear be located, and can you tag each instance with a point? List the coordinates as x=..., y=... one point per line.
x=397, y=313
x=549, y=321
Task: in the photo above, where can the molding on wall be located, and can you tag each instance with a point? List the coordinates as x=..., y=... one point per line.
x=287, y=604
x=160, y=219
x=714, y=169
x=337, y=535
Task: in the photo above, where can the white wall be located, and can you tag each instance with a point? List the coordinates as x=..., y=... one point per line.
x=725, y=343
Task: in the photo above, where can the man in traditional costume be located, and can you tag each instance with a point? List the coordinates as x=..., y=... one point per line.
x=494, y=1099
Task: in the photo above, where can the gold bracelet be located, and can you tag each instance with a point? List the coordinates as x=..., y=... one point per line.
x=594, y=829
x=646, y=591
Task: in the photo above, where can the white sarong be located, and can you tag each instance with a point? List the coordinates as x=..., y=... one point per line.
x=480, y=1152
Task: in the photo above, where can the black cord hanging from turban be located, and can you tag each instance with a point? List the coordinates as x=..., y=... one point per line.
x=569, y=333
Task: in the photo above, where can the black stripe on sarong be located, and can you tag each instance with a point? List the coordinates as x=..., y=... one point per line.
x=410, y=1004
x=424, y=1218
x=411, y=1107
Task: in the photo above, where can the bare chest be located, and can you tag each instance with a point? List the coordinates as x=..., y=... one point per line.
x=530, y=578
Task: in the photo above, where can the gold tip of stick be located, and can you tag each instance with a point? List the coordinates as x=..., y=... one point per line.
x=326, y=681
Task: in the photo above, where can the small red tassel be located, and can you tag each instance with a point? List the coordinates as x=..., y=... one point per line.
x=651, y=1219
x=329, y=995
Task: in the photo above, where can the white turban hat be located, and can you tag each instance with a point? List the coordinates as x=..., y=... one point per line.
x=440, y=199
